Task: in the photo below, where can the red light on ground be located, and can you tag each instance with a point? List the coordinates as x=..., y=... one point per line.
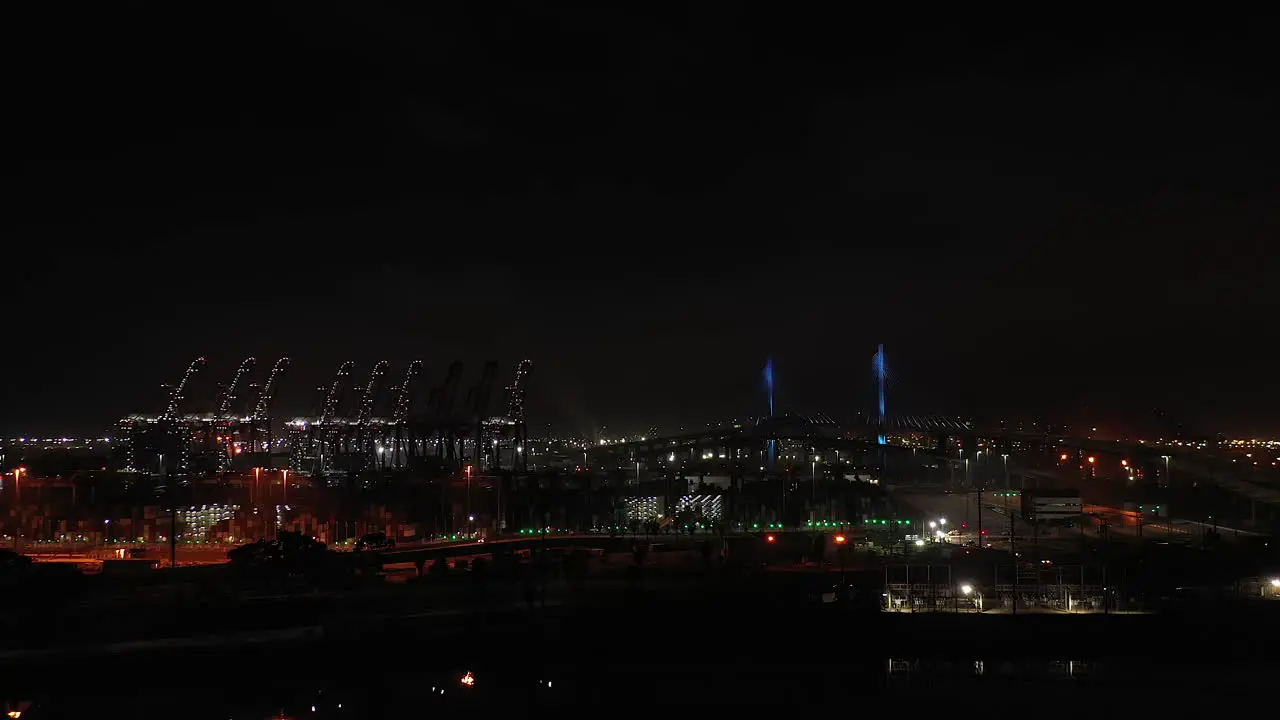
x=769, y=538
x=1091, y=459
x=840, y=539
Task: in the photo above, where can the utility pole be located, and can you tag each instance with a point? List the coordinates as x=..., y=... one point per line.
x=1013, y=552
x=173, y=528
x=981, y=545
x=1106, y=593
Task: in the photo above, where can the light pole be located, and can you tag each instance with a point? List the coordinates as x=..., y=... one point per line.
x=467, y=469
x=1005, y=457
x=968, y=590
x=17, y=497
x=813, y=479
x=840, y=543
x=281, y=517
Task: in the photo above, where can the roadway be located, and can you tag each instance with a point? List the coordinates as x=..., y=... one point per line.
x=961, y=509
x=419, y=554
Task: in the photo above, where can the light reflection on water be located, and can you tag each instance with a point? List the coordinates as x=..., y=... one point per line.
x=905, y=668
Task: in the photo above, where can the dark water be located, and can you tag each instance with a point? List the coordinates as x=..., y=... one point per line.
x=622, y=659
x=684, y=649
x=1051, y=687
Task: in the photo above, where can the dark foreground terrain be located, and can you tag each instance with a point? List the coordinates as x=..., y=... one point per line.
x=743, y=641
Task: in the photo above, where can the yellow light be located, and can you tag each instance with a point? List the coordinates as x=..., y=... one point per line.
x=840, y=539
x=1092, y=459
x=468, y=680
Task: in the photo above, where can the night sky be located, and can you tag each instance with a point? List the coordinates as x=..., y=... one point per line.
x=1060, y=223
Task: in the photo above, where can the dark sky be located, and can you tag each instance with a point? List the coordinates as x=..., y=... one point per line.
x=1037, y=218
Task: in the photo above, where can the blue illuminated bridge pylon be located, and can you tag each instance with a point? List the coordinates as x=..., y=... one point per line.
x=881, y=373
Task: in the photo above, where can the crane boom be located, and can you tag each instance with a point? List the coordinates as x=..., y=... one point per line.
x=370, y=392
x=176, y=395
x=263, y=408
x=404, y=399
x=449, y=390
x=483, y=390
x=516, y=390
x=330, y=407
x=229, y=394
